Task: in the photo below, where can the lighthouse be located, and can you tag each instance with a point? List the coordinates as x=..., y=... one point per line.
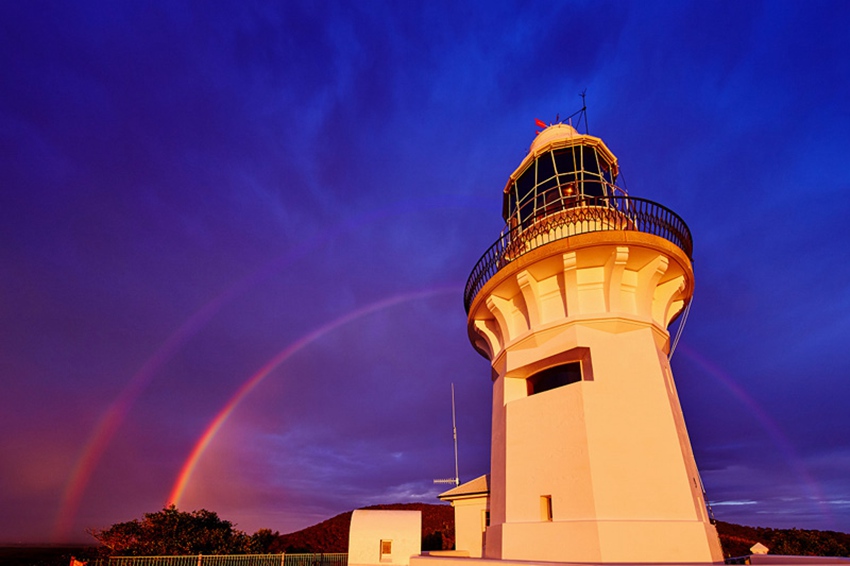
x=590, y=456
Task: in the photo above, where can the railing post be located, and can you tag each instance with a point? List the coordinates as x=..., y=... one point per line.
x=200, y=559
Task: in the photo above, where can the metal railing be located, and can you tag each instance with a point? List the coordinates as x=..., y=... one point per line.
x=589, y=214
x=319, y=559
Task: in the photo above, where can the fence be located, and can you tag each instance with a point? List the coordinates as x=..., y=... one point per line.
x=324, y=559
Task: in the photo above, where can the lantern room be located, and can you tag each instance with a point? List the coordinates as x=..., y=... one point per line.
x=562, y=170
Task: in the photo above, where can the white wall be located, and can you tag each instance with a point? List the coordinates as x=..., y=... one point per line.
x=402, y=529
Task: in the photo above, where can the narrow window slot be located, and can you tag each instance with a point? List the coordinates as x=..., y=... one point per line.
x=546, y=508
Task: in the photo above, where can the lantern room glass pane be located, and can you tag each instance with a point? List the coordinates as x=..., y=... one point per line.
x=525, y=184
x=545, y=167
x=589, y=163
x=565, y=160
x=593, y=187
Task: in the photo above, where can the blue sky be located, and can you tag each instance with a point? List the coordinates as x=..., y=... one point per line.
x=189, y=190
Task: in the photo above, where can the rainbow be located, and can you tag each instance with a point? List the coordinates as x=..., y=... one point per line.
x=109, y=423
x=118, y=410
x=218, y=421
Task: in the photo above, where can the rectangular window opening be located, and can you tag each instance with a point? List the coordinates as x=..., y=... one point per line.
x=546, y=508
x=560, y=370
x=386, y=550
x=554, y=377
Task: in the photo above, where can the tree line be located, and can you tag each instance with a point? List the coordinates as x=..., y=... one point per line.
x=174, y=532
x=737, y=540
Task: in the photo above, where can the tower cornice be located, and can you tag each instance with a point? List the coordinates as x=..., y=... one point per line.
x=612, y=279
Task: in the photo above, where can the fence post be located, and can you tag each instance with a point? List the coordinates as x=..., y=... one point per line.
x=200, y=559
x=282, y=558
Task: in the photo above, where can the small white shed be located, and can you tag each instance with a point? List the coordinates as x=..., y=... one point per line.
x=379, y=537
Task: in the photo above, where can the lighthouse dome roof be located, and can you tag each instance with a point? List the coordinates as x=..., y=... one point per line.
x=553, y=133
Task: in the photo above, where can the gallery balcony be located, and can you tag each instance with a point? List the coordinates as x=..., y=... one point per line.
x=544, y=221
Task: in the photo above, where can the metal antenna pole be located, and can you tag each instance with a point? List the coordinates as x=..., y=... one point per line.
x=454, y=435
x=455, y=480
x=584, y=110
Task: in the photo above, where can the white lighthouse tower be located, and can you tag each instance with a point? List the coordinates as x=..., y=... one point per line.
x=591, y=460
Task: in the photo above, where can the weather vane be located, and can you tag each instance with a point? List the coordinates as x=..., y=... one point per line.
x=581, y=113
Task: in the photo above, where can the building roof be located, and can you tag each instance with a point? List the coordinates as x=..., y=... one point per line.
x=478, y=486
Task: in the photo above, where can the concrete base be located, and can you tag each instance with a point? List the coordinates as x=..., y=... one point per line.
x=605, y=542
x=427, y=560
x=761, y=560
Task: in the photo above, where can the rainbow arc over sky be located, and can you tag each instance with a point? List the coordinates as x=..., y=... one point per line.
x=270, y=366
x=108, y=425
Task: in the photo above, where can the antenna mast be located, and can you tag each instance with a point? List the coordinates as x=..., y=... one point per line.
x=456, y=479
x=581, y=113
x=584, y=111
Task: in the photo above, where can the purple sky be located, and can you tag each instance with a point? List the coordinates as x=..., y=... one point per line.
x=191, y=192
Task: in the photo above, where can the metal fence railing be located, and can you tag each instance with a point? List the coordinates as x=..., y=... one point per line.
x=589, y=214
x=319, y=559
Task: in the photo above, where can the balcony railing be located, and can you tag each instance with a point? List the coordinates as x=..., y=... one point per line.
x=587, y=214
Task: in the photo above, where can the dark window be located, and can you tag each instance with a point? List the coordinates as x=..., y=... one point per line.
x=566, y=178
x=547, y=194
x=525, y=184
x=557, y=376
x=589, y=160
x=592, y=185
x=545, y=169
x=553, y=200
x=551, y=183
x=526, y=210
x=593, y=188
x=565, y=161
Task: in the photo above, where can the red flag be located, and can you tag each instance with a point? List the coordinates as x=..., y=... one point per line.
x=540, y=123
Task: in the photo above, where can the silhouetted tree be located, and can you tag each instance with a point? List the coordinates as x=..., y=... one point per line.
x=737, y=540
x=265, y=541
x=173, y=532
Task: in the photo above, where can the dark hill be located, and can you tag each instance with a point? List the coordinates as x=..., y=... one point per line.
x=737, y=540
x=438, y=533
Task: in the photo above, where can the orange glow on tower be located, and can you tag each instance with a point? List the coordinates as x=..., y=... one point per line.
x=590, y=456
